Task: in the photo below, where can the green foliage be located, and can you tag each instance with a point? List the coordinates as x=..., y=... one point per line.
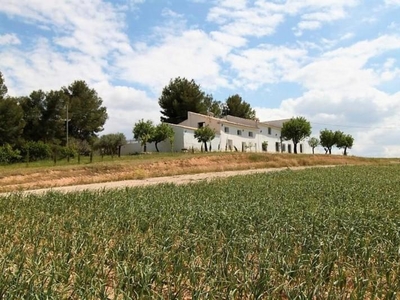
x=327, y=139
x=110, y=144
x=296, y=129
x=313, y=143
x=181, y=96
x=85, y=111
x=35, y=151
x=3, y=87
x=11, y=121
x=162, y=132
x=344, y=141
x=143, y=132
x=204, y=134
x=309, y=234
x=236, y=106
x=8, y=155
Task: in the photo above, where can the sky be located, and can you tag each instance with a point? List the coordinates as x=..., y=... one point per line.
x=334, y=62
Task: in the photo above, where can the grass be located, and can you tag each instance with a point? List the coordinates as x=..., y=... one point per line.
x=329, y=233
x=44, y=174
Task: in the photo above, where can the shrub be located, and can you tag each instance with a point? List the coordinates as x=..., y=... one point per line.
x=8, y=155
x=36, y=151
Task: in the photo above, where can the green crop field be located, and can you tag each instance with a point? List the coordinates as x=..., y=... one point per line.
x=328, y=233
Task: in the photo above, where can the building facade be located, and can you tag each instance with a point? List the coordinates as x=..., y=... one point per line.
x=232, y=134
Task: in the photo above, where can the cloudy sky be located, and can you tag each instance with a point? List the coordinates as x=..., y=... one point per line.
x=335, y=62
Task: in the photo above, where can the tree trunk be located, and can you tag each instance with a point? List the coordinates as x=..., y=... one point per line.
x=205, y=147
x=345, y=151
x=295, y=148
x=144, y=147
x=156, y=144
x=330, y=150
x=119, y=151
x=312, y=150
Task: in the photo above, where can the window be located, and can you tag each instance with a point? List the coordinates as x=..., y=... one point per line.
x=283, y=147
x=269, y=130
x=250, y=134
x=226, y=129
x=301, y=148
x=239, y=132
x=277, y=147
x=200, y=124
x=289, y=148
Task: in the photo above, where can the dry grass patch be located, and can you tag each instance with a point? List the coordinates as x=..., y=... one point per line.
x=146, y=166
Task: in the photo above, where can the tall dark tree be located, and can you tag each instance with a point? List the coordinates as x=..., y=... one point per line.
x=11, y=117
x=181, y=96
x=296, y=129
x=213, y=106
x=86, y=114
x=3, y=87
x=53, y=121
x=33, y=107
x=11, y=121
x=236, y=106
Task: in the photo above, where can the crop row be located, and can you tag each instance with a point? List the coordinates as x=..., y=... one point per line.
x=328, y=233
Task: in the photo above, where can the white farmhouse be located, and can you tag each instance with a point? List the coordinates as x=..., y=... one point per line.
x=232, y=134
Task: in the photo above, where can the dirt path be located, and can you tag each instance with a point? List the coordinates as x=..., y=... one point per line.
x=178, y=179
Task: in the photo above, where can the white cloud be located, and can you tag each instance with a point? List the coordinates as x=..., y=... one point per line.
x=125, y=107
x=392, y=2
x=236, y=18
x=192, y=55
x=9, y=39
x=265, y=64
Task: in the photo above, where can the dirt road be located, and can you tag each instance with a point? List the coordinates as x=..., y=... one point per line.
x=178, y=179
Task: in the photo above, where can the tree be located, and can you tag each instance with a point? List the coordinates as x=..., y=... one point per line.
x=327, y=140
x=161, y=132
x=143, y=132
x=85, y=113
x=236, y=106
x=3, y=87
x=296, y=129
x=53, y=119
x=33, y=108
x=11, y=121
x=204, y=134
x=214, y=107
x=110, y=144
x=181, y=96
x=313, y=143
x=344, y=141
x=11, y=117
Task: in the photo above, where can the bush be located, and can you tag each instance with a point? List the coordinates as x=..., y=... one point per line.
x=65, y=152
x=8, y=155
x=36, y=150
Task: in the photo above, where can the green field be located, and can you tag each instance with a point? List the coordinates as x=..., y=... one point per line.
x=327, y=233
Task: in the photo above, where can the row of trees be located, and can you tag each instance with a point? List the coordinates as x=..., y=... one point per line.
x=146, y=132
x=45, y=116
x=328, y=139
x=297, y=129
x=182, y=95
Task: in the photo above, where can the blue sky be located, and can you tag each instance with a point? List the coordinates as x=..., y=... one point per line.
x=335, y=62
